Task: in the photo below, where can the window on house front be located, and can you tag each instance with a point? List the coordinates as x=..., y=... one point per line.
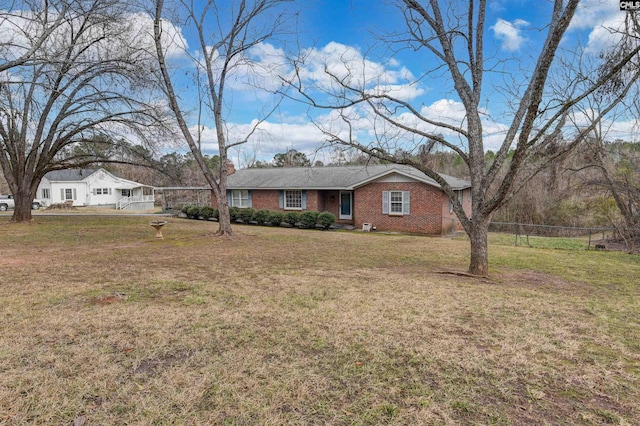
x=395, y=198
x=68, y=194
x=45, y=193
x=240, y=198
x=103, y=191
x=396, y=203
x=293, y=200
x=125, y=192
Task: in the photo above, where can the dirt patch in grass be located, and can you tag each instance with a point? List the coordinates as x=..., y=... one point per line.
x=282, y=326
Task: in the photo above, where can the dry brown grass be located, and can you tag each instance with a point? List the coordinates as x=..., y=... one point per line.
x=103, y=324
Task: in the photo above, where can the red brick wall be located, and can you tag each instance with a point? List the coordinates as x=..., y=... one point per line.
x=263, y=199
x=270, y=200
x=425, y=214
x=331, y=202
x=449, y=218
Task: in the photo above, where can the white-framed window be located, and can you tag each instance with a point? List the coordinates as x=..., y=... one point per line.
x=46, y=194
x=103, y=191
x=396, y=203
x=125, y=192
x=68, y=193
x=293, y=200
x=240, y=198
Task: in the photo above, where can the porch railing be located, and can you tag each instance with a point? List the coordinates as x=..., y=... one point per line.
x=126, y=202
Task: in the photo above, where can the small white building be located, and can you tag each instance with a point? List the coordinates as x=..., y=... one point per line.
x=96, y=188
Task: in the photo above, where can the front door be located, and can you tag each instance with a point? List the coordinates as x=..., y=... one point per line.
x=345, y=205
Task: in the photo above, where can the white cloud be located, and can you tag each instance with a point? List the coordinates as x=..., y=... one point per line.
x=607, y=35
x=592, y=13
x=268, y=139
x=604, y=22
x=322, y=67
x=510, y=34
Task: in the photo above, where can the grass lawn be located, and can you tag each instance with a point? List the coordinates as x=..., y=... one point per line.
x=102, y=324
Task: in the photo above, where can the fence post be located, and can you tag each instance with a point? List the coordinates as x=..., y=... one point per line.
x=453, y=228
x=589, y=245
x=515, y=231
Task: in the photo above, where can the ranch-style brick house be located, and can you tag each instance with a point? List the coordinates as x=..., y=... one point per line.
x=96, y=188
x=385, y=197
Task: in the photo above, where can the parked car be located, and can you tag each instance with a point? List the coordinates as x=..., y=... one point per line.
x=7, y=202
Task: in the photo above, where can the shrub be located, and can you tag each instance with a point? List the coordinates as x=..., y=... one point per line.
x=216, y=214
x=308, y=219
x=233, y=213
x=260, y=216
x=291, y=218
x=206, y=212
x=275, y=218
x=326, y=219
x=245, y=215
x=185, y=208
x=193, y=212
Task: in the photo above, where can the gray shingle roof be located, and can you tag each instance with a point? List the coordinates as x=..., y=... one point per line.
x=344, y=177
x=69, y=175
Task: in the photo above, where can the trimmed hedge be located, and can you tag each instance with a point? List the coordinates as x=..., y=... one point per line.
x=193, y=212
x=233, y=213
x=206, y=212
x=306, y=219
x=276, y=218
x=245, y=215
x=260, y=216
x=309, y=219
x=291, y=218
x=326, y=219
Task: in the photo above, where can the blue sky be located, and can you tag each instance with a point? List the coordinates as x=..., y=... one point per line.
x=331, y=30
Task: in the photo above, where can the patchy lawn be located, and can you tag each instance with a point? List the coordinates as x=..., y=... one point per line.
x=103, y=324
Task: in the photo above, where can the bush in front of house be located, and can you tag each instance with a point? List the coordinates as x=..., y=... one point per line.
x=291, y=218
x=309, y=218
x=233, y=213
x=260, y=216
x=245, y=215
x=275, y=218
x=206, y=212
x=193, y=212
x=326, y=219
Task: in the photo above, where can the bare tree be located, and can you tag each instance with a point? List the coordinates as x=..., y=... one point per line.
x=225, y=36
x=616, y=163
x=78, y=84
x=27, y=25
x=453, y=34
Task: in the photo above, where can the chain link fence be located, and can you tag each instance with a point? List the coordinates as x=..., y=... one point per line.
x=563, y=237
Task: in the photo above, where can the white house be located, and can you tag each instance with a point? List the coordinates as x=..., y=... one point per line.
x=94, y=187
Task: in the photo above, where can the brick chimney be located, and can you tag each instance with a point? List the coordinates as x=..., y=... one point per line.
x=231, y=169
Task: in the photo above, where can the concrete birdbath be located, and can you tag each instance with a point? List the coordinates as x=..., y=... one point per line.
x=158, y=224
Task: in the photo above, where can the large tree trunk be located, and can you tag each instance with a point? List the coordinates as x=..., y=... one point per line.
x=23, y=197
x=479, y=264
x=224, y=219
